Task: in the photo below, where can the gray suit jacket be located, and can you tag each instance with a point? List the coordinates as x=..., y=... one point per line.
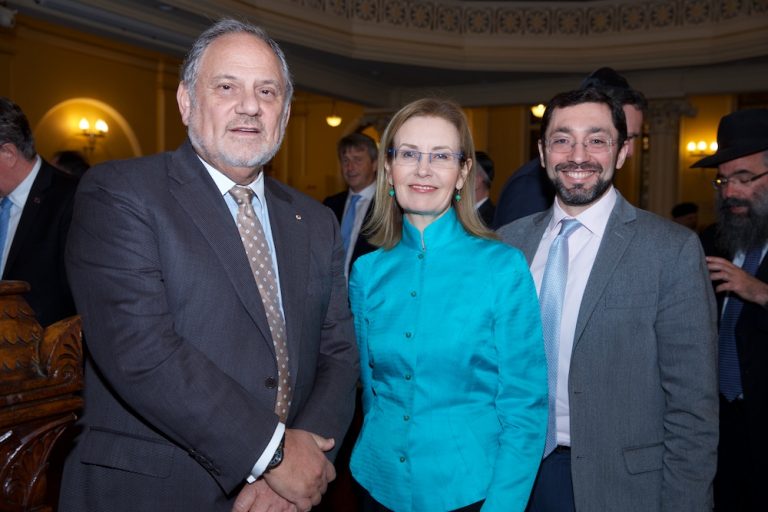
x=643, y=374
x=180, y=382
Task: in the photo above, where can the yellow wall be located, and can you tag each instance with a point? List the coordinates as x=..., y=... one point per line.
x=502, y=132
x=695, y=185
x=58, y=76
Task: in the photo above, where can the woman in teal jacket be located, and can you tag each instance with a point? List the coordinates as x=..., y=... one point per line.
x=452, y=358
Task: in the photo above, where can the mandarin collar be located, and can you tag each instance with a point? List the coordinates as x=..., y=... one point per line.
x=441, y=231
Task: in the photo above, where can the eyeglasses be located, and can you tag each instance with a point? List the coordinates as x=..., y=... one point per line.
x=742, y=179
x=594, y=145
x=437, y=160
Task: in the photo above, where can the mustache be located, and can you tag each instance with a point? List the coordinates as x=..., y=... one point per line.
x=246, y=122
x=570, y=166
x=731, y=202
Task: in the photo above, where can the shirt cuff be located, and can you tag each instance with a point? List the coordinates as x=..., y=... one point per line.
x=266, y=456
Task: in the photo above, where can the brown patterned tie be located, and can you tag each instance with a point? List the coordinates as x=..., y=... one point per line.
x=257, y=249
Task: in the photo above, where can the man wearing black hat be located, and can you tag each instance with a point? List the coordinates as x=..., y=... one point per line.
x=739, y=271
x=529, y=190
x=483, y=203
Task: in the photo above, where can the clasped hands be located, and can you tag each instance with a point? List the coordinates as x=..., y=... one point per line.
x=297, y=483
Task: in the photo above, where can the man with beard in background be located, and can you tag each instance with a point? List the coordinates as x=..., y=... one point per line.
x=736, y=247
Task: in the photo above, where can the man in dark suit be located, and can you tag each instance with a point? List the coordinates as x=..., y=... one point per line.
x=222, y=362
x=35, y=213
x=738, y=266
x=629, y=331
x=483, y=203
x=353, y=207
x=529, y=190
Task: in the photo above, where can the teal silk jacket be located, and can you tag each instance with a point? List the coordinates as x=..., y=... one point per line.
x=453, y=372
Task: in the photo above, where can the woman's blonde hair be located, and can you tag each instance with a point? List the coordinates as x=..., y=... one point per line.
x=385, y=226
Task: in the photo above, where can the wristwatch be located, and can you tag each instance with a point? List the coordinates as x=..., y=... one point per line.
x=277, y=458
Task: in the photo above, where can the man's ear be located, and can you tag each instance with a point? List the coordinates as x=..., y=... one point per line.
x=541, y=154
x=622, y=156
x=185, y=103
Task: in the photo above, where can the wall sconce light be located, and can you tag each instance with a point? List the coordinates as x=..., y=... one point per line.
x=100, y=129
x=538, y=110
x=334, y=119
x=701, y=148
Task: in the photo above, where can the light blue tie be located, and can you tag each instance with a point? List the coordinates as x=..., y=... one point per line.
x=349, y=220
x=551, y=299
x=5, y=217
x=730, y=374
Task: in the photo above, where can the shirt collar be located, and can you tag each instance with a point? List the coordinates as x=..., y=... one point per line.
x=366, y=193
x=224, y=184
x=594, y=218
x=20, y=194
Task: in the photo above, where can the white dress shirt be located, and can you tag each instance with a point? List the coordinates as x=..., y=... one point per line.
x=583, y=245
x=224, y=184
x=18, y=199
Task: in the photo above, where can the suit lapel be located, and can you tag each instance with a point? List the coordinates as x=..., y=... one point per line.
x=289, y=232
x=530, y=242
x=619, y=232
x=35, y=201
x=196, y=193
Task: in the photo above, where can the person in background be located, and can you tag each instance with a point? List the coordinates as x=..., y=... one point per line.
x=222, y=363
x=357, y=159
x=483, y=203
x=452, y=365
x=736, y=257
x=629, y=330
x=529, y=190
x=686, y=214
x=71, y=162
x=35, y=214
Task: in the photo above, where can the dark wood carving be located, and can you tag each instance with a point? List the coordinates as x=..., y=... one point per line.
x=40, y=379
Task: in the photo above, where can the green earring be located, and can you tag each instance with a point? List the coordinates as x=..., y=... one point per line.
x=391, y=192
x=457, y=197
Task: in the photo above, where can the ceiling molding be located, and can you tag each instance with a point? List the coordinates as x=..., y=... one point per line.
x=377, y=52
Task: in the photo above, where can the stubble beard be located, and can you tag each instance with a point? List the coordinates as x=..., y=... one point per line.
x=263, y=154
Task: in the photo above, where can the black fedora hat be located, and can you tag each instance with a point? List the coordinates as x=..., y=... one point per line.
x=739, y=134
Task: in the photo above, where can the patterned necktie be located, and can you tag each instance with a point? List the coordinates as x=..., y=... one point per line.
x=5, y=217
x=349, y=220
x=551, y=299
x=730, y=374
x=260, y=259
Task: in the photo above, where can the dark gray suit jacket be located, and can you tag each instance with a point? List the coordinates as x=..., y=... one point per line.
x=643, y=375
x=180, y=382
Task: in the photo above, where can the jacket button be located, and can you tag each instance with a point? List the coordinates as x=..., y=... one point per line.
x=270, y=383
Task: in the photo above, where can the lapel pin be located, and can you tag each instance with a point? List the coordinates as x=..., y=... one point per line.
x=298, y=217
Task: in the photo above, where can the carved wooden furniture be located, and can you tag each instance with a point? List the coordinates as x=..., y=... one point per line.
x=40, y=377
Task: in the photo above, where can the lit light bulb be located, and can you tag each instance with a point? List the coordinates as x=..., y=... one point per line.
x=101, y=126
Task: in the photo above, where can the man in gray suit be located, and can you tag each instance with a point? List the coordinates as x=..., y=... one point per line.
x=186, y=406
x=633, y=393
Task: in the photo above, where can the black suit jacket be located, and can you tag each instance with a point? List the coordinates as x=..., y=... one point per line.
x=181, y=379
x=486, y=212
x=336, y=203
x=752, y=348
x=526, y=192
x=37, y=251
